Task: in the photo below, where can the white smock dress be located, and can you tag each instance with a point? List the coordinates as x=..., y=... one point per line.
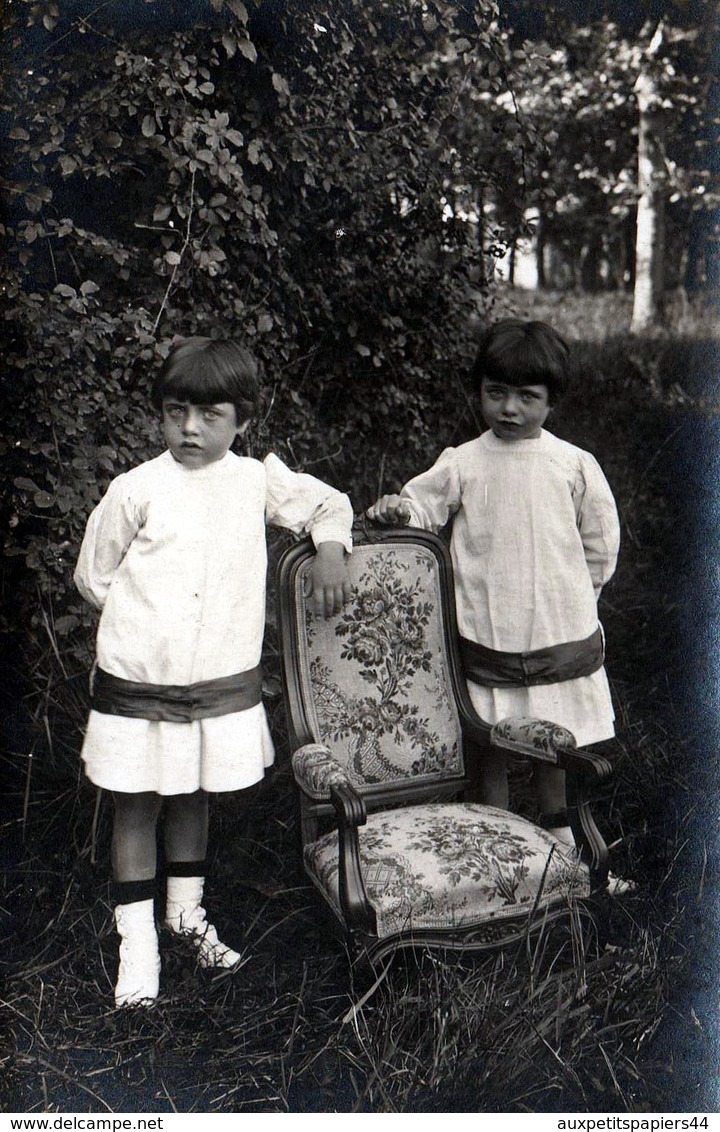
x=535, y=537
x=176, y=560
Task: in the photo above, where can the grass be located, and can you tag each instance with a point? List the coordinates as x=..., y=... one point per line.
x=288, y=1032
x=595, y=317
x=551, y=1027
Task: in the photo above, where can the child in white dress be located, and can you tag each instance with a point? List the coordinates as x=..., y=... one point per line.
x=535, y=537
x=174, y=556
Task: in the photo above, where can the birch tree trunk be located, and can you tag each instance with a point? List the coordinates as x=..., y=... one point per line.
x=650, y=232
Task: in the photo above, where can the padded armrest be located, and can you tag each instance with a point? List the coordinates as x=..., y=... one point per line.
x=550, y=742
x=538, y=738
x=316, y=771
x=322, y=778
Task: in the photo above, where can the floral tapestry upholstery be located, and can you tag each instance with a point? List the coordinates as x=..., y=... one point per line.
x=457, y=865
x=375, y=679
x=316, y=771
x=536, y=736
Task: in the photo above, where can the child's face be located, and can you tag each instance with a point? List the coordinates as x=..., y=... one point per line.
x=198, y=435
x=514, y=412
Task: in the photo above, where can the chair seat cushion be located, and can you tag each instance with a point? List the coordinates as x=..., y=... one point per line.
x=452, y=866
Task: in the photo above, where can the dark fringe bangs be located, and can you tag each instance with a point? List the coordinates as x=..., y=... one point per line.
x=206, y=371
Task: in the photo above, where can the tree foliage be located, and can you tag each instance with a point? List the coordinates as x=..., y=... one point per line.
x=577, y=81
x=327, y=182
x=285, y=174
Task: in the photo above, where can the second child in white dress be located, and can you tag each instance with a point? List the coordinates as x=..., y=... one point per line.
x=535, y=537
x=174, y=557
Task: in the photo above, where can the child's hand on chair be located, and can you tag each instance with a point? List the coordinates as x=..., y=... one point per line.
x=328, y=578
x=391, y=510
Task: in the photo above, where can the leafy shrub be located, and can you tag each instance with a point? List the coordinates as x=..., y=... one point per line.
x=275, y=175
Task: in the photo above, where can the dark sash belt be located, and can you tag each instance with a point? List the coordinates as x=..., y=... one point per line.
x=176, y=703
x=552, y=665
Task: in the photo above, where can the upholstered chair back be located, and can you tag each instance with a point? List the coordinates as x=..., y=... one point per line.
x=378, y=682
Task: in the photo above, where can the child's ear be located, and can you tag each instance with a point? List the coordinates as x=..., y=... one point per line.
x=242, y=429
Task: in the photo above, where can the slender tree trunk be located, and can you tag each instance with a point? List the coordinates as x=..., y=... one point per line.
x=692, y=259
x=590, y=264
x=511, y=262
x=540, y=253
x=480, y=232
x=712, y=265
x=629, y=230
x=650, y=233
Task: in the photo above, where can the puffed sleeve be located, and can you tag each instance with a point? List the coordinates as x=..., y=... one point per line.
x=306, y=505
x=436, y=494
x=110, y=529
x=597, y=520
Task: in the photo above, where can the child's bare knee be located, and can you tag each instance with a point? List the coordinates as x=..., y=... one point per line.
x=136, y=809
x=179, y=805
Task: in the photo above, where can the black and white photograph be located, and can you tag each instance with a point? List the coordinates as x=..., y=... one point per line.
x=360, y=573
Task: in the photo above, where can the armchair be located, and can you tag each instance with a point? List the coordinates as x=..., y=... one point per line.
x=382, y=732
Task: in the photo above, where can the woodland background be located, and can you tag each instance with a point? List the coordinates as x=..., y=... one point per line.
x=355, y=189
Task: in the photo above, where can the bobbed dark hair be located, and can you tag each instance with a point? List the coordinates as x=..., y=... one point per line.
x=208, y=371
x=516, y=351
